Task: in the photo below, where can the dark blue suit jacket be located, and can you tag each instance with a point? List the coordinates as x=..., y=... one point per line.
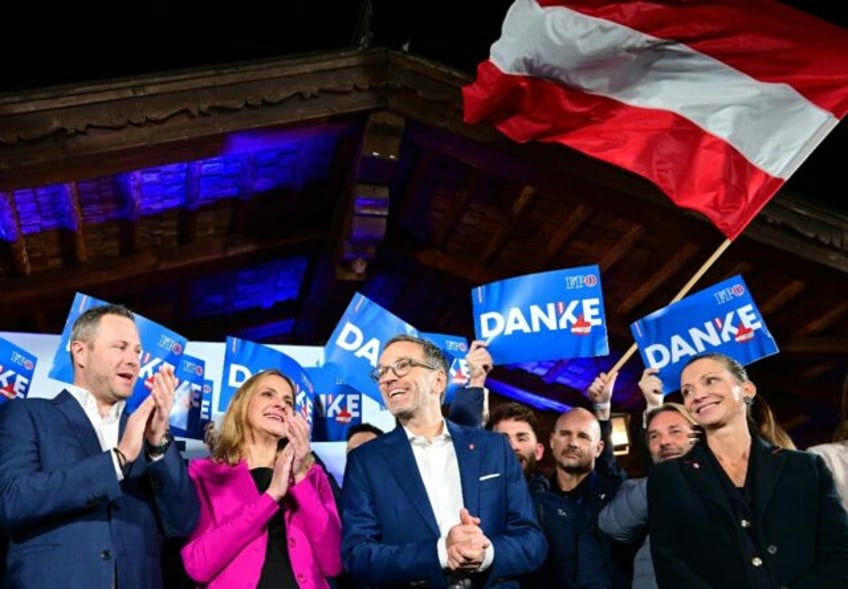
x=70, y=522
x=389, y=530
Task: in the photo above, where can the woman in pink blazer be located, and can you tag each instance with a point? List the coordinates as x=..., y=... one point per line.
x=267, y=513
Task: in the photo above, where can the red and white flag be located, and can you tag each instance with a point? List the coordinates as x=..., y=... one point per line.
x=717, y=102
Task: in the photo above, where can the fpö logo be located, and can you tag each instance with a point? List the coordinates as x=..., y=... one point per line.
x=192, y=367
x=166, y=342
x=455, y=346
x=581, y=281
x=20, y=360
x=726, y=295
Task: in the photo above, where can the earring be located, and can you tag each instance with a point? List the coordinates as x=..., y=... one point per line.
x=748, y=399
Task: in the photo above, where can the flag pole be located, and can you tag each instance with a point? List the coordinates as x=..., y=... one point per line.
x=682, y=293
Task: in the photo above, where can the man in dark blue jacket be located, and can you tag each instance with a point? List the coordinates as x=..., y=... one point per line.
x=586, y=478
x=578, y=554
x=432, y=503
x=87, y=493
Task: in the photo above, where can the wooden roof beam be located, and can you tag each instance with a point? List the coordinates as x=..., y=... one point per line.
x=77, y=231
x=740, y=268
x=663, y=273
x=410, y=205
x=562, y=235
x=119, y=275
x=524, y=198
x=321, y=277
x=241, y=205
x=129, y=228
x=475, y=273
x=621, y=247
x=188, y=212
x=17, y=246
x=454, y=214
x=782, y=297
x=824, y=320
x=820, y=345
x=127, y=124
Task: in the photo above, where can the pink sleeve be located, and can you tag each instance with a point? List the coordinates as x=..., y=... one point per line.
x=212, y=546
x=314, y=512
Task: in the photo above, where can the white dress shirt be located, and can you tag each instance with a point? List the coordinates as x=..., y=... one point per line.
x=439, y=469
x=106, y=427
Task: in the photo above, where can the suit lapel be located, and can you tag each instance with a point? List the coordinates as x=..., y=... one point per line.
x=397, y=452
x=122, y=424
x=769, y=466
x=701, y=474
x=79, y=422
x=468, y=459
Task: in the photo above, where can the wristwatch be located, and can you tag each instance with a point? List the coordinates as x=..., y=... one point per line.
x=154, y=450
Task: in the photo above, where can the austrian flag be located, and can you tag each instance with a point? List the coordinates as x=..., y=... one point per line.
x=717, y=102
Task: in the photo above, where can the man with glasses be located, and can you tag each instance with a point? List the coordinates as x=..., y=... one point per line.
x=431, y=503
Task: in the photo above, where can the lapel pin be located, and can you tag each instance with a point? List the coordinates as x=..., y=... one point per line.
x=695, y=465
x=470, y=446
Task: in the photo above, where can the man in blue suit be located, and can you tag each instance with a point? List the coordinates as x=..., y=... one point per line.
x=431, y=503
x=87, y=493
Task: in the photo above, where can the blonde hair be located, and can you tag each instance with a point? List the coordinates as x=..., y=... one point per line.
x=766, y=426
x=670, y=407
x=230, y=444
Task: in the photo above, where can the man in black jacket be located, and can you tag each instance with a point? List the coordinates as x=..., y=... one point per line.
x=568, y=503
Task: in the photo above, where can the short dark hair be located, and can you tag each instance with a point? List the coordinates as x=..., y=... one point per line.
x=433, y=356
x=432, y=353
x=86, y=324
x=513, y=412
x=361, y=428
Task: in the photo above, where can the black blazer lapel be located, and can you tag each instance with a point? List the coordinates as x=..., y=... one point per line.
x=701, y=475
x=397, y=452
x=770, y=461
x=78, y=421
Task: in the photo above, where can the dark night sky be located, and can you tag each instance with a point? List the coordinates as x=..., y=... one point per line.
x=87, y=46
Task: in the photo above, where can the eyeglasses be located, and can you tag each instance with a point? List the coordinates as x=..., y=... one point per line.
x=399, y=367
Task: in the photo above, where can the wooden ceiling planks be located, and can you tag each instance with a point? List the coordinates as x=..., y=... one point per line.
x=467, y=207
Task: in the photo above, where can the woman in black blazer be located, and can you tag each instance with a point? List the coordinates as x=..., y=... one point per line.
x=736, y=512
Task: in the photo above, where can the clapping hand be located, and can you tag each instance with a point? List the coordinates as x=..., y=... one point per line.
x=162, y=393
x=466, y=543
x=298, y=436
x=281, y=477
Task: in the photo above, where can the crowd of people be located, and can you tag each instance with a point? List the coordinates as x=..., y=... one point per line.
x=96, y=497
